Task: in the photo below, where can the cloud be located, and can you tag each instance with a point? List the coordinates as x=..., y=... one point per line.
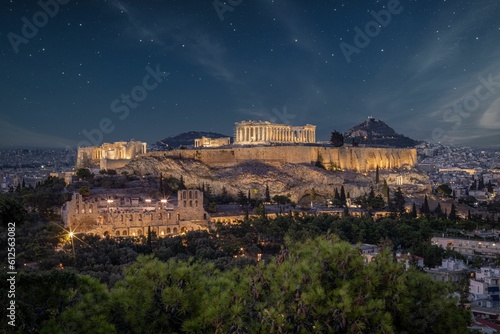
x=16, y=136
x=491, y=117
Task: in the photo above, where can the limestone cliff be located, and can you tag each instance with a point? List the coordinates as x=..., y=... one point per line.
x=297, y=180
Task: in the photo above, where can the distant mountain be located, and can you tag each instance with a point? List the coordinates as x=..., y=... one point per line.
x=374, y=132
x=187, y=138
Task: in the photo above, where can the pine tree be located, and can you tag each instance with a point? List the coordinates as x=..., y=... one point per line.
x=490, y=187
x=469, y=215
x=182, y=185
x=268, y=194
x=425, y=207
x=150, y=248
x=342, y=195
x=399, y=202
x=337, y=139
x=24, y=184
x=385, y=192
x=377, y=176
x=481, y=184
x=438, y=210
x=413, y=211
x=453, y=212
x=336, y=196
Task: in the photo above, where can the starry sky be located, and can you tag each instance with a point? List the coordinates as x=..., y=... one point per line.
x=99, y=71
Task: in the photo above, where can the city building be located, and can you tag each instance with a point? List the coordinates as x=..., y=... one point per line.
x=451, y=270
x=133, y=216
x=263, y=132
x=484, y=289
x=483, y=248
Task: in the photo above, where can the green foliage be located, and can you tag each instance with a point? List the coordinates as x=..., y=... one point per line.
x=11, y=211
x=319, y=285
x=84, y=174
x=84, y=191
x=337, y=139
x=280, y=199
x=444, y=190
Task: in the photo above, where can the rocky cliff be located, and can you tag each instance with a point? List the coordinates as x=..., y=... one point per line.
x=295, y=180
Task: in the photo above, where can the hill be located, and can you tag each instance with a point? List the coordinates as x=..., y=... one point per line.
x=187, y=138
x=374, y=132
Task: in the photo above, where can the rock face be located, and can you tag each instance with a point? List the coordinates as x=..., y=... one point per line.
x=294, y=179
x=359, y=159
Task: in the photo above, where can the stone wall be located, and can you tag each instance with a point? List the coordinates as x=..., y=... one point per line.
x=360, y=159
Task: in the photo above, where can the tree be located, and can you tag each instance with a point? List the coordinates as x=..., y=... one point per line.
x=425, y=207
x=280, y=199
x=319, y=162
x=453, y=212
x=481, y=184
x=268, y=194
x=241, y=198
x=444, y=190
x=182, y=186
x=377, y=176
x=343, y=198
x=399, y=202
x=84, y=174
x=413, y=213
x=385, y=192
x=490, y=187
x=337, y=139
x=84, y=191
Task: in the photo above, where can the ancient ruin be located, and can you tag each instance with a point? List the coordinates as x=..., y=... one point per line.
x=259, y=132
x=133, y=216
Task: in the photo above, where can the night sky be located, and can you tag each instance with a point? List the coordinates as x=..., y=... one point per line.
x=430, y=69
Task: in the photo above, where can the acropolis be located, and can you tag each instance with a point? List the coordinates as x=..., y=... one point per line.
x=262, y=132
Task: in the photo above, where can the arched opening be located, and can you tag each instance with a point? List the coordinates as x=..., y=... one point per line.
x=175, y=230
x=117, y=233
x=124, y=233
x=168, y=230
x=183, y=230
x=106, y=233
x=139, y=232
x=205, y=216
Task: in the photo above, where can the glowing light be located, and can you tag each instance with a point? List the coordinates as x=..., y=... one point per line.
x=163, y=201
x=147, y=200
x=71, y=234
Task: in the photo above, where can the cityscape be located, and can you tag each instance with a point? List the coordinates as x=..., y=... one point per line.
x=250, y=167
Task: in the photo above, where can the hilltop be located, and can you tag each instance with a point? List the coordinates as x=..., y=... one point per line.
x=374, y=132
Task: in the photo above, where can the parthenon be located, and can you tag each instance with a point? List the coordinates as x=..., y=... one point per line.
x=261, y=132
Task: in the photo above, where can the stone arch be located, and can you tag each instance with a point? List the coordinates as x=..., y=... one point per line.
x=117, y=233
x=139, y=232
x=183, y=229
x=168, y=230
x=175, y=230
x=106, y=233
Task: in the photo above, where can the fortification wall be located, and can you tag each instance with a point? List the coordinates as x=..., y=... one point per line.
x=359, y=159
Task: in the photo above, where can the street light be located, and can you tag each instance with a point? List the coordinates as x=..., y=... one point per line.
x=71, y=235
